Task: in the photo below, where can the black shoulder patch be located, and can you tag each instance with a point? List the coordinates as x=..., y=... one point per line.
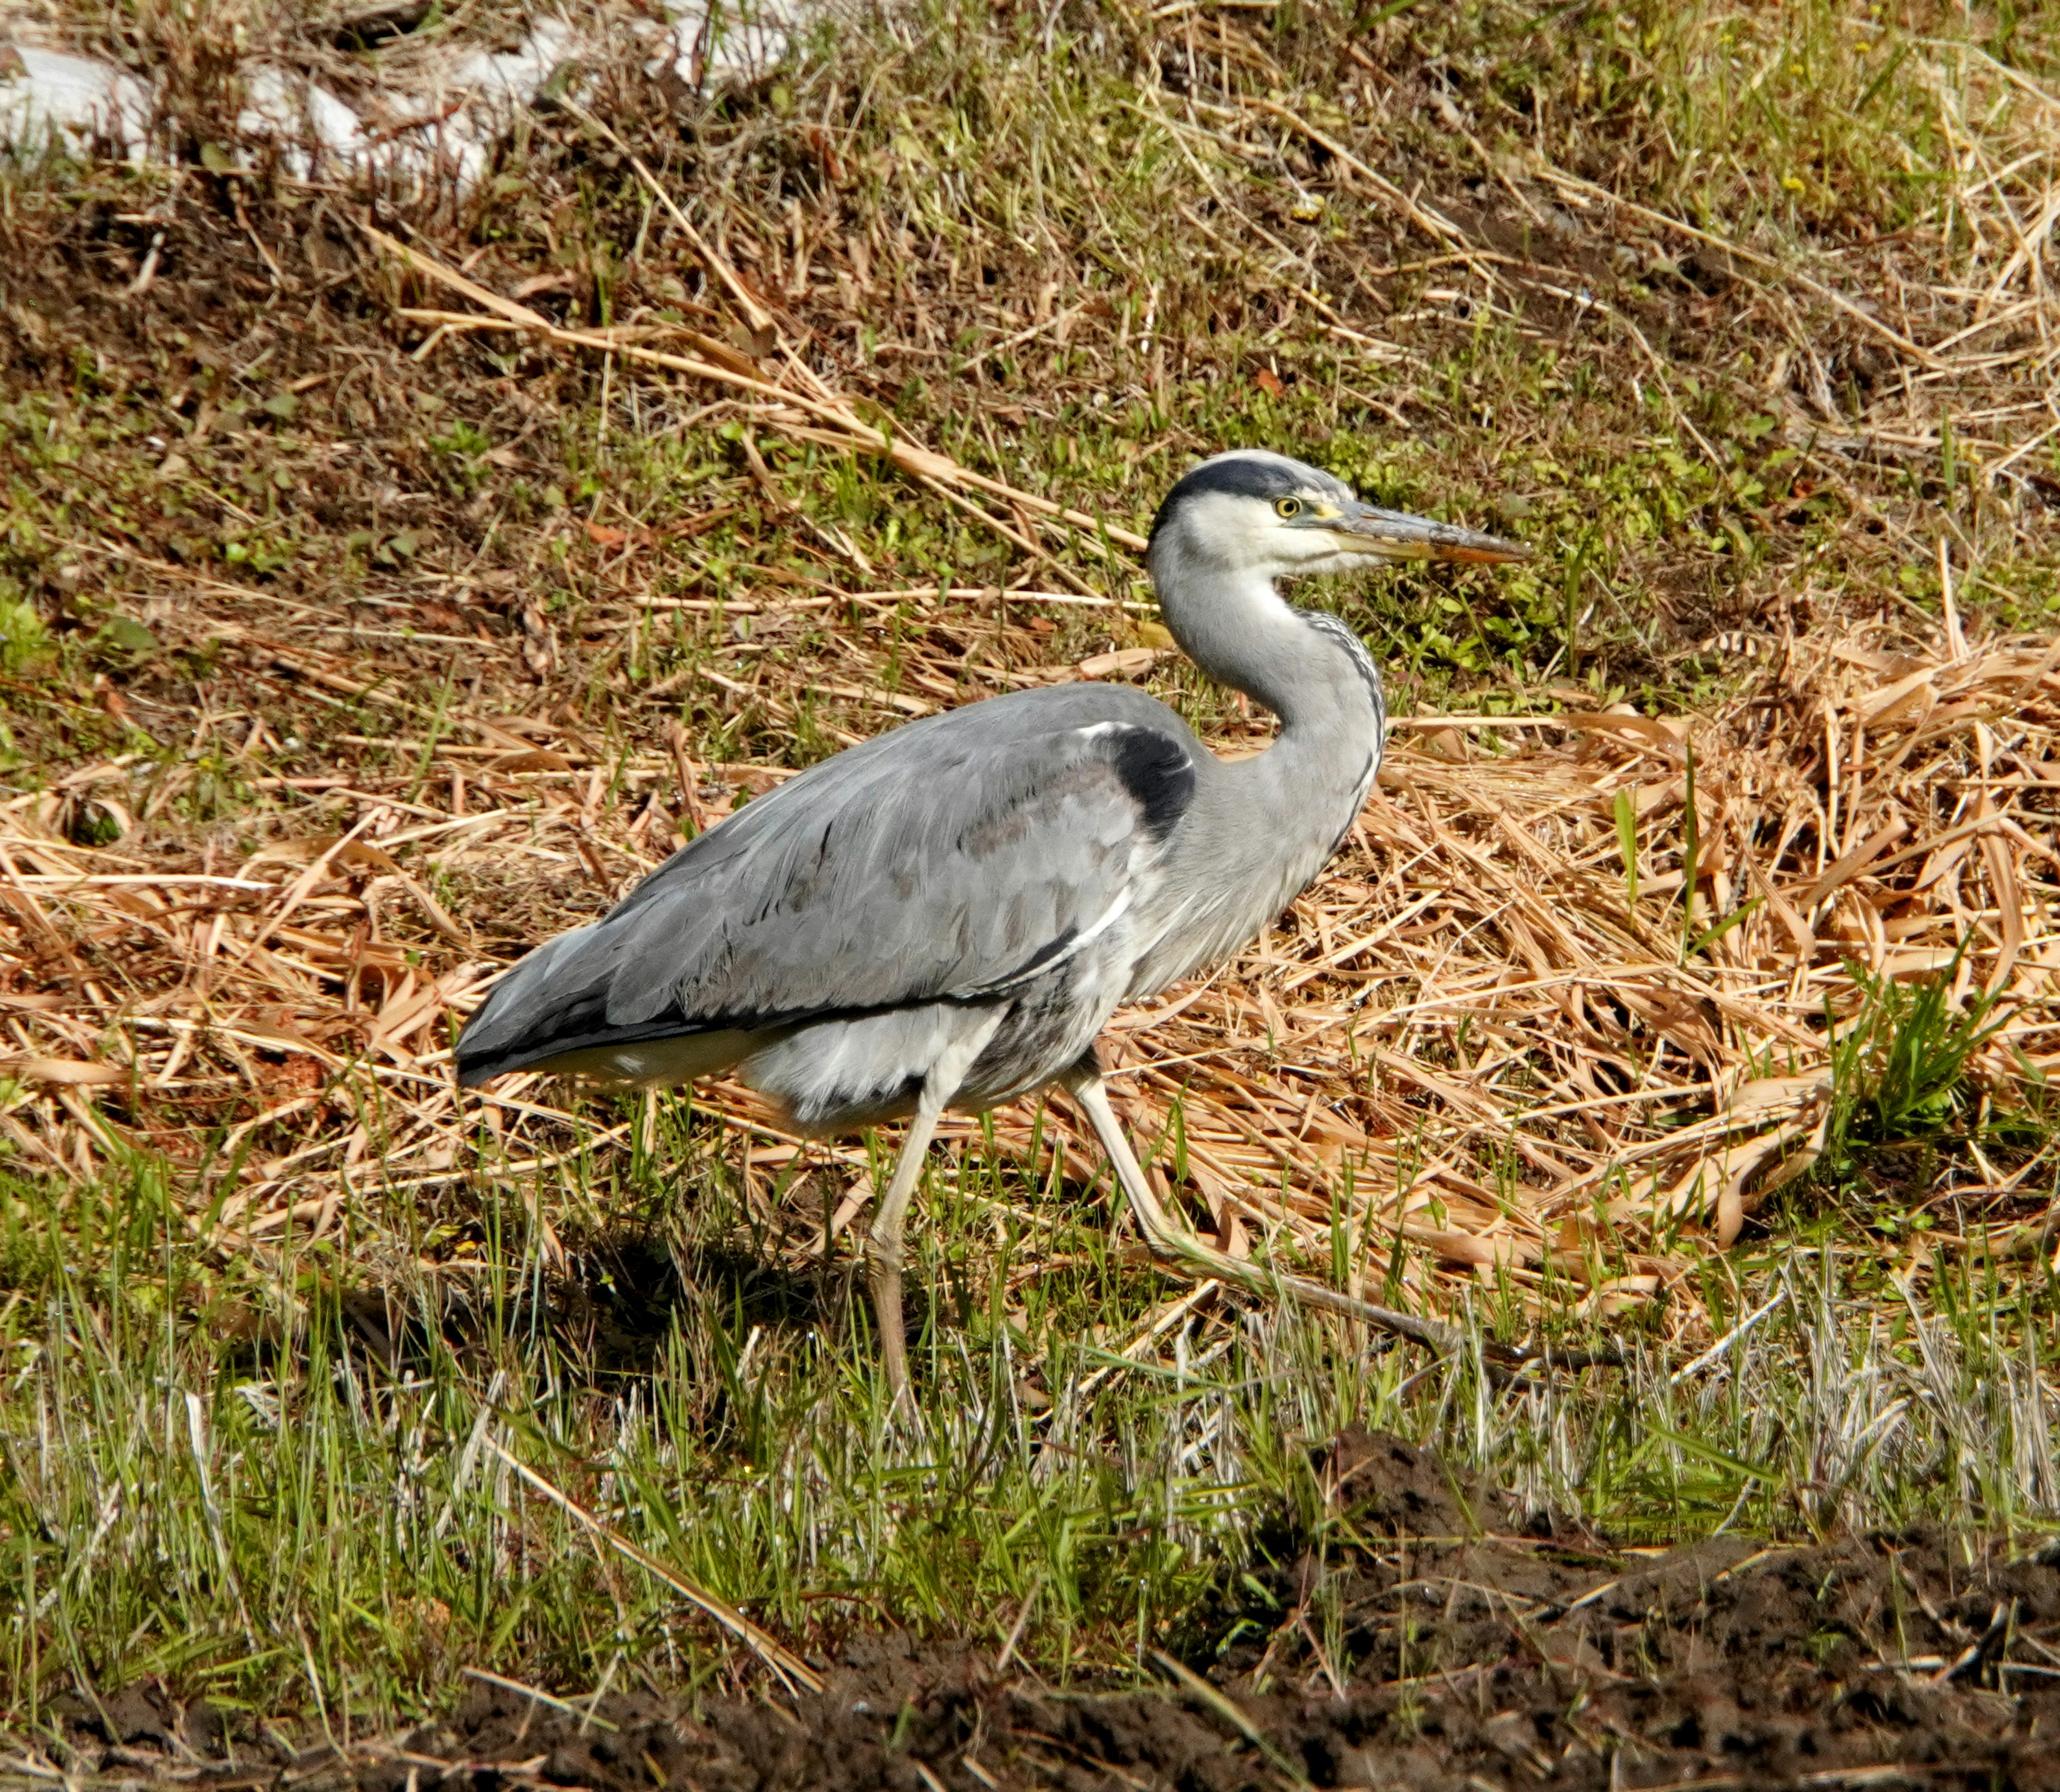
x=1044, y=955
x=1156, y=771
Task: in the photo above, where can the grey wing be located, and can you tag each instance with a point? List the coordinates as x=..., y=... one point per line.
x=953, y=858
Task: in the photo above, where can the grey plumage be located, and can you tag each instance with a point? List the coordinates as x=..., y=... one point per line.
x=961, y=861
x=947, y=914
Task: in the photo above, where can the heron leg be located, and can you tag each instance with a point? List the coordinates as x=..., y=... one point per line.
x=1178, y=1250
x=883, y=1252
x=1170, y=1243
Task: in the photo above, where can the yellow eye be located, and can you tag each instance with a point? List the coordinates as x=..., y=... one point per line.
x=1287, y=507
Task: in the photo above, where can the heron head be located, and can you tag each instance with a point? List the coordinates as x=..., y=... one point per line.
x=1249, y=511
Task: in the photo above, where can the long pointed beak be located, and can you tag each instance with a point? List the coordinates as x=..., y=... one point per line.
x=1396, y=535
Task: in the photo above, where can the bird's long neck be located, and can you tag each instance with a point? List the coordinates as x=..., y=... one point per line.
x=1305, y=666
x=1261, y=826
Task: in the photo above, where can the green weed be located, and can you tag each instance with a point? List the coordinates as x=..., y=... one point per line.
x=1900, y=1067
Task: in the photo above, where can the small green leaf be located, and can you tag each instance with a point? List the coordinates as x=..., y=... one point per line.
x=124, y=634
x=1703, y=941
x=215, y=159
x=1627, y=840
x=22, y=635
x=281, y=405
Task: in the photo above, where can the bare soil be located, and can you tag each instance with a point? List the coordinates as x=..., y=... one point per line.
x=1481, y=1658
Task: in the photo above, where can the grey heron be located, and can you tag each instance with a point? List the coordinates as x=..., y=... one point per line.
x=945, y=917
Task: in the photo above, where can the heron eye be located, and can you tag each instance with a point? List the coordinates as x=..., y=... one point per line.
x=1287, y=507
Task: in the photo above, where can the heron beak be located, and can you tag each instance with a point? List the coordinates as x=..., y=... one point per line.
x=1396, y=535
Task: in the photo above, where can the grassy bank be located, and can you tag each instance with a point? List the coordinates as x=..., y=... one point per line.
x=1691, y=996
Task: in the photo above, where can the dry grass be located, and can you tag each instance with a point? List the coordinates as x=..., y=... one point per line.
x=1469, y=1030
x=1499, y=1025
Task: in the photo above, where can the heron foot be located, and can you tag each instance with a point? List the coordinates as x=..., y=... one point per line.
x=1178, y=1250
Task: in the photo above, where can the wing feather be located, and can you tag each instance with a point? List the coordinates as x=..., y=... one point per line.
x=950, y=859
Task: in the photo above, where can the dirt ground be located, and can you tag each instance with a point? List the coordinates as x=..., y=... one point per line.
x=1483, y=1658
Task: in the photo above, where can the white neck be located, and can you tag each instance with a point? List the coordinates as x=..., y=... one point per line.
x=1238, y=628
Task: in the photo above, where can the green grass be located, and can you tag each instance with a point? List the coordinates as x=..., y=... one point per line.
x=261, y=1473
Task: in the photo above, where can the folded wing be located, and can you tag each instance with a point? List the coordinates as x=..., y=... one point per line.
x=954, y=858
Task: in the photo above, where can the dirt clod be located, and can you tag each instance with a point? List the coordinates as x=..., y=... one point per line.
x=1391, y=1485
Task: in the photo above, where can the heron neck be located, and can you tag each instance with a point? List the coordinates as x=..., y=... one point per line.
x=1239, y=631
x=1262, y=826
